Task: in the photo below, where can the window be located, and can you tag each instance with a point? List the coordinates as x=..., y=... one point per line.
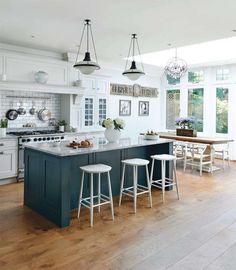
x=222, y=110
x=172, y=81
x=195, y=106
x=222, y=74
x=195, y=76
x=102, y=107
x=88, y=117
x=172, y=107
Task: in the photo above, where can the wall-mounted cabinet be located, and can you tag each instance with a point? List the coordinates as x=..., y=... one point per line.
x=94, y=111
x=95, y=85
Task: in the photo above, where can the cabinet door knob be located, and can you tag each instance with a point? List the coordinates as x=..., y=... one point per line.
x=1, y=153
x=1, y=144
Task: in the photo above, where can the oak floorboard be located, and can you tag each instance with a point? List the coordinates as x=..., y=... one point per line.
x=168, y=236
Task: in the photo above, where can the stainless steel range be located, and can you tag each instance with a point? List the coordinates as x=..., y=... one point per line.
x=39, y=136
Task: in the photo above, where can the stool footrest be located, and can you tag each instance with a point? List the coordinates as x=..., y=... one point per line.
x=168, y=182
x=103, y=200
x=140, y=190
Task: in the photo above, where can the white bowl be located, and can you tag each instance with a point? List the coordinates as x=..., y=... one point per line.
x=151, y=137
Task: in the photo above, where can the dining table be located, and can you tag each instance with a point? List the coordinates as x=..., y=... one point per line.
x=198, y=139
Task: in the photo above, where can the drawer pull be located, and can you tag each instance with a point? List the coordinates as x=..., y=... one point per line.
x=1, y=144
x=1, y=153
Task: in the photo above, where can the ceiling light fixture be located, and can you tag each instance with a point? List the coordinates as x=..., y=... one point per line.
x=133, y=73
x=87, y=66
x=176, y=67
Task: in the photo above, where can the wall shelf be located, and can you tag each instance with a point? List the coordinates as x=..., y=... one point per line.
x=43, y=88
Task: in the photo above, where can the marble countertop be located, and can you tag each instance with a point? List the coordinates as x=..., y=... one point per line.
x=99, y=145
x=8, y=137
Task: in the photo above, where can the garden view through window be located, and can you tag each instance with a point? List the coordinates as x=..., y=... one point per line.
x=195, y=76
x=195, y=106
x=172, y=107
x=222, y=110
x=172, y=81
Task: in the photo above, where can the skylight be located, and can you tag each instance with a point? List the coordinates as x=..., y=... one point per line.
x=217, y=51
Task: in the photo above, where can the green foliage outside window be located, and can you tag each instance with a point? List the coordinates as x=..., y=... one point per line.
x=195, y=106
x=195, y=76
x=172, y=81
x=222, y=110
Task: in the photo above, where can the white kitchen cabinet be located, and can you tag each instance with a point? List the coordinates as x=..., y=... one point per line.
x=22, y=69
x=96, y=85
x=94, y=111
x=8, y=159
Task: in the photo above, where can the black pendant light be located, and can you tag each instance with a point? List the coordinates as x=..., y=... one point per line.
x=87, y=66
x=133, y=73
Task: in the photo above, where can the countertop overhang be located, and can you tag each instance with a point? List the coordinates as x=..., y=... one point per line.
x=60, y=149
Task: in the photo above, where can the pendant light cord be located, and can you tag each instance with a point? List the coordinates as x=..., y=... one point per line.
x=80, y=44
x=128, y=54
x=140, y=55
x=95, y=53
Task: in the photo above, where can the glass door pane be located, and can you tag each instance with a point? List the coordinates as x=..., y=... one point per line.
x=222, y=110
x=195, y=106
x=172, y=107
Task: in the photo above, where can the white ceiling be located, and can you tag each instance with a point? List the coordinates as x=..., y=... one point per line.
x=57, y=24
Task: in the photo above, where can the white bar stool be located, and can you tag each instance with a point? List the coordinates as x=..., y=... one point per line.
x=136, y=189
x=164, y=181
x=101, y=198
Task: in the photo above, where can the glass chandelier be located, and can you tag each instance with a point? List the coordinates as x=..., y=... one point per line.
x=133, y=73
x=176, y=67
x=87, y=66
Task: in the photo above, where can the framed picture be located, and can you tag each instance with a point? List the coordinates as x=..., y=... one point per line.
x=143, y=108
x=125, y=107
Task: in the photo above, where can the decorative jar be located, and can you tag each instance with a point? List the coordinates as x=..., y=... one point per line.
x=41, y=77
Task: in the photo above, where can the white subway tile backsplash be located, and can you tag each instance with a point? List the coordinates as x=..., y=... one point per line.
x=51, y=101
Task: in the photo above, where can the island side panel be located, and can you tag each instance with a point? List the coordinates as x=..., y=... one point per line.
x=47, y=186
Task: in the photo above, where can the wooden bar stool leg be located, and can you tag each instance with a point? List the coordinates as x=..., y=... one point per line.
x=110, y=194
x=122, y=183
x=176, y=180
x=135, y=176
x=99, y=191
x=149, y=186
x=91, y=200
x=81, y=193
x=163, y=172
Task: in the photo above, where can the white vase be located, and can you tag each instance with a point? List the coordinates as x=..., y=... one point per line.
x=62, y=128
x=112, y=135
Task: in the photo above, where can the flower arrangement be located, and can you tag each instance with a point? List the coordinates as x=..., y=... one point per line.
x=116, y=123
x=186, y=122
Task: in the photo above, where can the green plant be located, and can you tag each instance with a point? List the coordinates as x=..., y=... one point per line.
x=61, y=123
x=3, y=123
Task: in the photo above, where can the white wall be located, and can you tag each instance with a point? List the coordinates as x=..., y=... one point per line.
x=135, y=124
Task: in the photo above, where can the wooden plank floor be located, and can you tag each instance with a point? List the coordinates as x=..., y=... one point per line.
x=197, y=232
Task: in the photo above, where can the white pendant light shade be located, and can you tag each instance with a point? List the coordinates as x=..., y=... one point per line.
x=133, y=73
x=87, y=66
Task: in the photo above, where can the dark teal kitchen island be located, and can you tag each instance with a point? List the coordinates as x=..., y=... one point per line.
x=52, y=172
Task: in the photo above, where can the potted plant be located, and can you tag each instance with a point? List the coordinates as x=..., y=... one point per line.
x=186, y=126
x=61, y=125
x=3, y=127
x=113, y=128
